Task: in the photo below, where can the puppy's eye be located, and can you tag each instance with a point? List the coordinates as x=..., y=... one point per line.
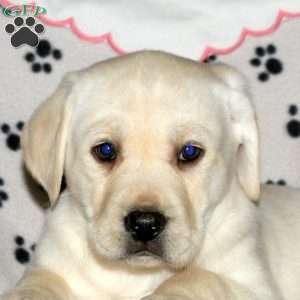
x=105, y=151
x=190, y=152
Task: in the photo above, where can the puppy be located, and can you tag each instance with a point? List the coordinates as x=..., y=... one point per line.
x=160, y=154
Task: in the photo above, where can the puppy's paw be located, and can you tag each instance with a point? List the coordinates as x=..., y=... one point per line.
x=160, y=296
x=27, y=295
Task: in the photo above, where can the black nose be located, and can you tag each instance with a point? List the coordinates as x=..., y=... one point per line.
x=145, y=225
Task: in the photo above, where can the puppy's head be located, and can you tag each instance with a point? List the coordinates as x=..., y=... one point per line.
x=149, y=143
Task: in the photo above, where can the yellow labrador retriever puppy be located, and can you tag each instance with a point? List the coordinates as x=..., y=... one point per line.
x=161, y=158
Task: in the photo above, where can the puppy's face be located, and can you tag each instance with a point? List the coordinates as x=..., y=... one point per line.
x=150, y=150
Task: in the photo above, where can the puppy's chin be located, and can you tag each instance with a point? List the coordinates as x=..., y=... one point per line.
x=144, y=259
x=145, y=254
x=148, y=260
x=135, y=256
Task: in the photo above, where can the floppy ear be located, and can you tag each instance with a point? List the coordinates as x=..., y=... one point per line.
x=245, y=127
x=44, y=138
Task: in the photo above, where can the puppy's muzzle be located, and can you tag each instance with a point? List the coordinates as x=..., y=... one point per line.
x=145, y=226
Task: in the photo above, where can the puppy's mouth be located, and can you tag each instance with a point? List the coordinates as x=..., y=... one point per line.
x=151, y=249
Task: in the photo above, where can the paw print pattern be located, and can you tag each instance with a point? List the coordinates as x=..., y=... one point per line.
x=265, y=58
x=210, y=59
x=3, y=194
x=293, y=126
x=24, y=33
x=44, y=50
x=22, y=253
x=279, y=182
x=12, y=139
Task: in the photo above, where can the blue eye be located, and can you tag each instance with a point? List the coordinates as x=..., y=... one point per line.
x=190, y=152
x=105, y=151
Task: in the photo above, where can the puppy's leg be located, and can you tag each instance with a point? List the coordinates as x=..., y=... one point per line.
x=40, y=284
x=196, y=284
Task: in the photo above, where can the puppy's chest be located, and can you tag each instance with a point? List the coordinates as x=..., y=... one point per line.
x=116, y=286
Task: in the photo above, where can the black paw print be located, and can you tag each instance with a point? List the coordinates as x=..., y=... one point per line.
x=210, y=59
x=23, y=254
x=293, y=126
x=272, y=65
x=43, y=50
x=12, y=139
x=279, y=182
x=3, y=194
x=25, y=33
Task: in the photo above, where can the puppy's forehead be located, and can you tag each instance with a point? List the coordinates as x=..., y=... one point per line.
x=148, y=86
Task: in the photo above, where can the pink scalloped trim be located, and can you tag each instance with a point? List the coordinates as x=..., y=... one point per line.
x=107, y=37
x=248, y=32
